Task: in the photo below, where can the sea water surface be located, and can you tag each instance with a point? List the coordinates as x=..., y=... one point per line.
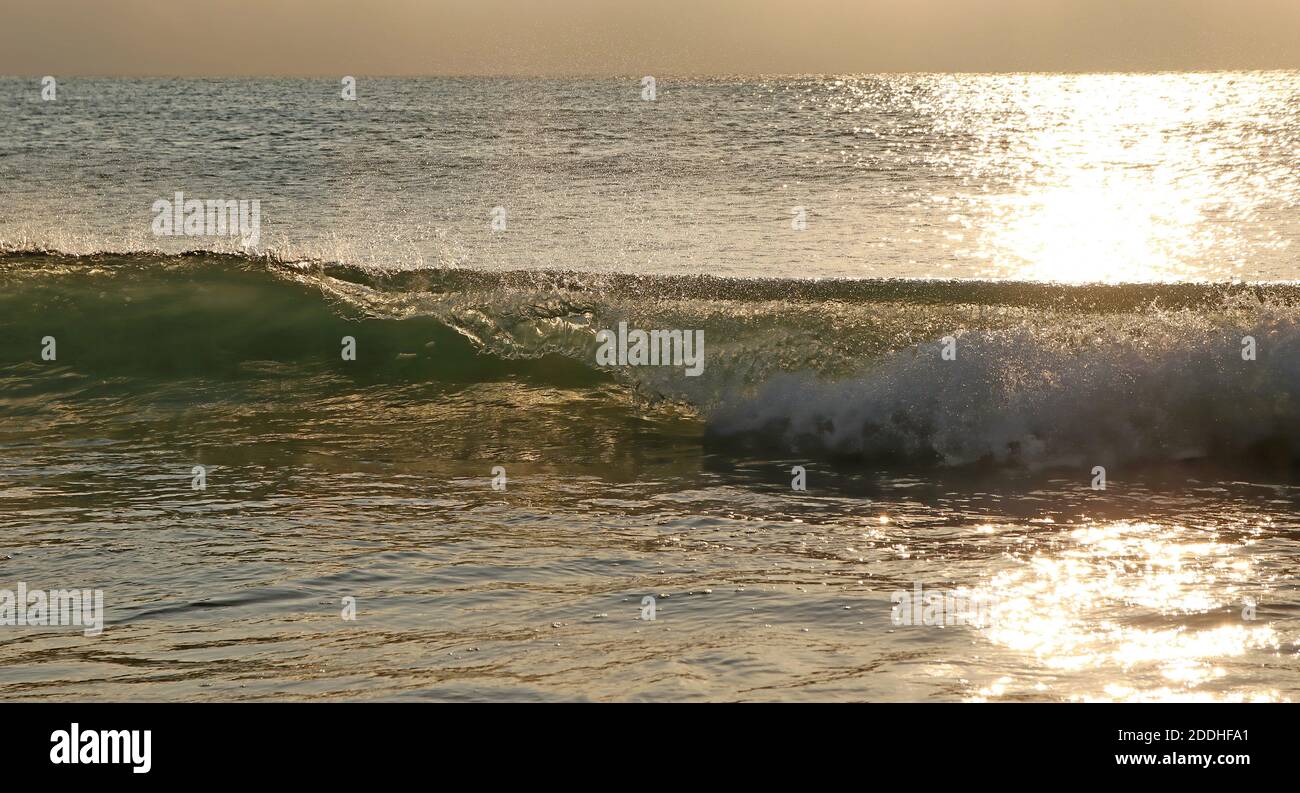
x=1095, y=249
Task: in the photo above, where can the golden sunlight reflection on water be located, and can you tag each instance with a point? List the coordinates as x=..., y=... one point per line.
x=1132, y=182
x=1133, y=603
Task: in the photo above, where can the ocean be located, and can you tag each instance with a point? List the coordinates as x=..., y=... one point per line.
x=996, y=394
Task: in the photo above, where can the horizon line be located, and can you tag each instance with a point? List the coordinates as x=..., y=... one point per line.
x=634, y=75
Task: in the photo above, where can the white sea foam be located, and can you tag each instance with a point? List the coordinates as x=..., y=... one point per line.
x=1028, y=398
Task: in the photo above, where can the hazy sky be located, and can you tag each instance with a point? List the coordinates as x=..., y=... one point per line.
x=380, y=37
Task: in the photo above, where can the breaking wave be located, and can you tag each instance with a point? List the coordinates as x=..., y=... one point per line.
x=1043, y=374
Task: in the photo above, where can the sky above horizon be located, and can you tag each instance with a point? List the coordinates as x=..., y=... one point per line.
x=564, y=37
